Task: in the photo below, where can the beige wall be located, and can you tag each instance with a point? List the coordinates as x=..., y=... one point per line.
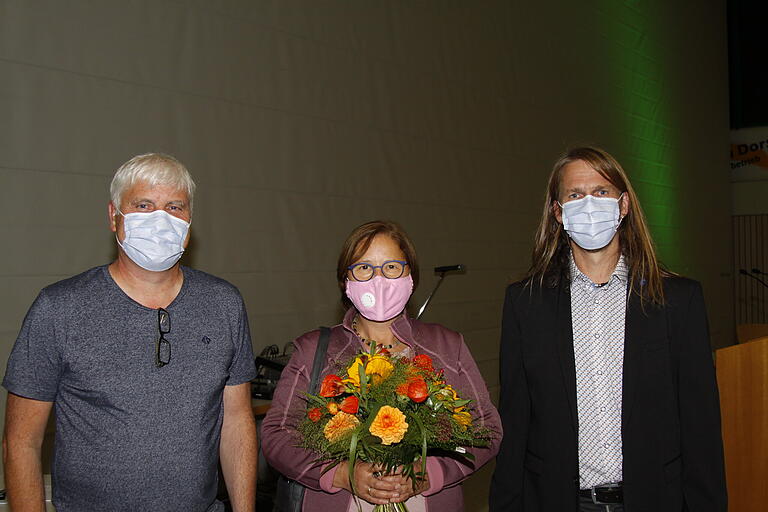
x=301, y=119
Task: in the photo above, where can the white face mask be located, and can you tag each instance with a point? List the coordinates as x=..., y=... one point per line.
x=591, y=221
x=154, y=241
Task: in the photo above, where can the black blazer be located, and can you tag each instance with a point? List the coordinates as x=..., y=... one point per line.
x=672, y=447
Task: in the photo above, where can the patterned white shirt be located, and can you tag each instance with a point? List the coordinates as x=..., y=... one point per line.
x=598, y=315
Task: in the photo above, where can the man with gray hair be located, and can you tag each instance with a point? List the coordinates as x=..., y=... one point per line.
x=147, y=365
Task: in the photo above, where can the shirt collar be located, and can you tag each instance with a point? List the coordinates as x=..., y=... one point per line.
x=621, y=272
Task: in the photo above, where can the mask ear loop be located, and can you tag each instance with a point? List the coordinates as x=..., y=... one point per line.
x=562, y=221
x=114, y=223
x=113, y=217
x=621, y=217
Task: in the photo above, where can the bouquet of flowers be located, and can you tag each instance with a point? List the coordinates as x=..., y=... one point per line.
x=389, y=411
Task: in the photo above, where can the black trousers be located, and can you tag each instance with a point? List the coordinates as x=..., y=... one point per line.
x=586, y=505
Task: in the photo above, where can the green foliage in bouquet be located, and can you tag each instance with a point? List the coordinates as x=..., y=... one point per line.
x=389, y=411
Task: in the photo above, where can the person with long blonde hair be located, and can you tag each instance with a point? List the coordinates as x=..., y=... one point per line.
x=608, y=394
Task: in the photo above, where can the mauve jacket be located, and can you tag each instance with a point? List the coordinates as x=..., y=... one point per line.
x=447, y=350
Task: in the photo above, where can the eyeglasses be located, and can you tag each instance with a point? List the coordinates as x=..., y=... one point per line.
x=163, y=346
x=391, y=269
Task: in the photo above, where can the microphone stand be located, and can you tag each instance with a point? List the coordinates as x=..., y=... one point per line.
x=442, y=271
x=745, y=273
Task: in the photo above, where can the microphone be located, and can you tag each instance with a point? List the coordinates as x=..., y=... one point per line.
x=745, y=273
x=449, y=268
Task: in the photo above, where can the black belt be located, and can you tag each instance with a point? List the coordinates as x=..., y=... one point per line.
x=607, y=494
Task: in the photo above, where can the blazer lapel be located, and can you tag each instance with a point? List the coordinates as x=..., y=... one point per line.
x=564, y=328
x=635, y=331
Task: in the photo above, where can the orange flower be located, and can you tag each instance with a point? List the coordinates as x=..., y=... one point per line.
x=423, y=362
x=350, y=404
x=333, y=407
x=417, y=390
x=331, y=386
x=339, y=425
x=389, y=424
x=314, y=414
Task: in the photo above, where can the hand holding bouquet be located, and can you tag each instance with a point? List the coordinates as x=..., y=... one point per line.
x=390, y=412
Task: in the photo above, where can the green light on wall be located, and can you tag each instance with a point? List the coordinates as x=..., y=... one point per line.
x=639, y=75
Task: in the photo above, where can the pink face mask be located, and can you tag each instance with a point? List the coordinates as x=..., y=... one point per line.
x=380, y=299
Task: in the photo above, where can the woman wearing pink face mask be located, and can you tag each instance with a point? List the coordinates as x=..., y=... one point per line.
x=377, y=271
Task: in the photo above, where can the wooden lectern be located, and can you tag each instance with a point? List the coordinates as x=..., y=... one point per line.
x=742, y=375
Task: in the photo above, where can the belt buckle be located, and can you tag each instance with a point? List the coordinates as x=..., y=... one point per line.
x=607, y=487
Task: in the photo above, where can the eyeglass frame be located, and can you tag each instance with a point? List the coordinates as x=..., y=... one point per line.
x=351, y=269
x=159, y=363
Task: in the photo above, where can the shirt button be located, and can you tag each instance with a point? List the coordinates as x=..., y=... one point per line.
x=599, y=372
x=596, y=335
x=602, y=409
x=607, y=445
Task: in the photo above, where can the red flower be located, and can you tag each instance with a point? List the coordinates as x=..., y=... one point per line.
x=331, y=386
x=350, y=405
x=315, y=414
x=423, y=362
x=417, y=390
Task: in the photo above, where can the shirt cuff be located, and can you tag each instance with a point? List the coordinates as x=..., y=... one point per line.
x=326, y=481
x=436, y=477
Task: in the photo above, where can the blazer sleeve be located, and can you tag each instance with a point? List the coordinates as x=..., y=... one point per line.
x=703, y=473
x=514, y=408
x=448, y=471
x=279, y=437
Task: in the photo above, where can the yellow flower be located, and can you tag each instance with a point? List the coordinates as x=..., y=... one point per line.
x=389, y=424
x=448, y=393
x=379, y=368
x=339, y=425
x=462, y=417
x=354, y=373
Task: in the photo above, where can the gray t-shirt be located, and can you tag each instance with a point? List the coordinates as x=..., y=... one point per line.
x=131, y=436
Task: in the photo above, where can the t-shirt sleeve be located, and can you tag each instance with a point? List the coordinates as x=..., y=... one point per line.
x=34, y=366
x=242, y=369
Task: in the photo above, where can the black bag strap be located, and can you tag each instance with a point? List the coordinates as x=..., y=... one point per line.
x=319, y=362
x=289, y=493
